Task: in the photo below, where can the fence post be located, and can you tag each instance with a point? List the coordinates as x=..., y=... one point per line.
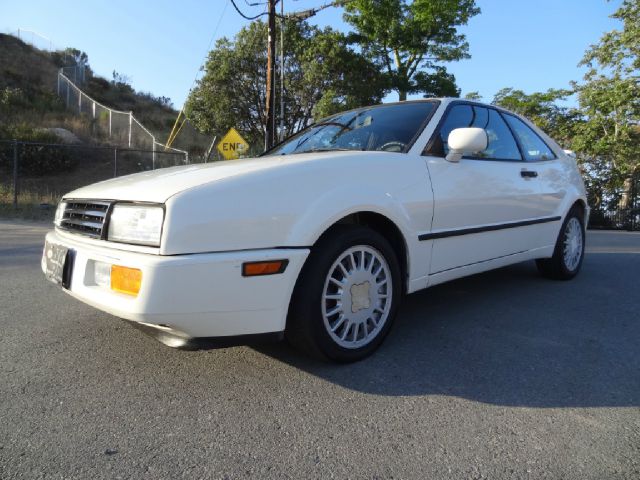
x=15, y=174
x=115, y=161
x=633, y=202
x=79, y=102
x=67, y=86
x=58, y=83
x=109, y=123
x=130, y=122
x=153, y=155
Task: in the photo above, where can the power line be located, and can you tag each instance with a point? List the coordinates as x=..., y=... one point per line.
x=173, y=134
x=213, y=37
x=233, y=2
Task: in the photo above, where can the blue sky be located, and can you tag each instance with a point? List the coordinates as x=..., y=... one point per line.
x=527, y=45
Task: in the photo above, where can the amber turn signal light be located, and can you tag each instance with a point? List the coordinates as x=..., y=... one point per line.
x=125, y=280
x=270, y=267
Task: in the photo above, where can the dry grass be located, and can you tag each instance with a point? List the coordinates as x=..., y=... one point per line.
x=31, y=206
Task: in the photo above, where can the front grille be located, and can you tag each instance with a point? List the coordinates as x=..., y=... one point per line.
x=85, y=217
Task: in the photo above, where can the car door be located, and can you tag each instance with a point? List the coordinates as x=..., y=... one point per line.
x=551, y=173
x=485, y=205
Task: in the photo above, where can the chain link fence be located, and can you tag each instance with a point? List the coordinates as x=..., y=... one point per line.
x=34, y=39
x=109, y=125
x=34, y=176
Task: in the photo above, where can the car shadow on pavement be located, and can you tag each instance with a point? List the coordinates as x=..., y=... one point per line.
x=508, y=337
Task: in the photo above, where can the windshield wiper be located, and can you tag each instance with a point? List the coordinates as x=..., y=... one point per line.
x=344, y=126
x=329, y=149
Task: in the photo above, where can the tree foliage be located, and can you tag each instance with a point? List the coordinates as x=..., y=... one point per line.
x=604, y=129
x=475, y=95
x=609, y=98
x=322, y=75
x=409, y=39
x=543, y=109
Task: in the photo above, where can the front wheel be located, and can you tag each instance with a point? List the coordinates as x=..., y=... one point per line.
x=569, y=250
x=347, y=295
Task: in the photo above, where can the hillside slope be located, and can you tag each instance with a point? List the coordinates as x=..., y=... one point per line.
x=29, y=102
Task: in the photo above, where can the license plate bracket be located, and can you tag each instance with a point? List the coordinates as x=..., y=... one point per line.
x=59, y=264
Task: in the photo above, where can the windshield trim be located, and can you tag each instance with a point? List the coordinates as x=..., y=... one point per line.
x=407, y=147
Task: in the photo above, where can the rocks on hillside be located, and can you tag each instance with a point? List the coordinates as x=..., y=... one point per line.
x=64, y=135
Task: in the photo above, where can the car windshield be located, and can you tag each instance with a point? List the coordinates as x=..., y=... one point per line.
x=389, y=128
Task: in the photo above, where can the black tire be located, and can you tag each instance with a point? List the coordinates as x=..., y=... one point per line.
x=556, y=267
x=306, y=329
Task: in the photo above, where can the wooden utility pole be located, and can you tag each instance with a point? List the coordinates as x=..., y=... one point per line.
x=271, y=63
x=270, y=108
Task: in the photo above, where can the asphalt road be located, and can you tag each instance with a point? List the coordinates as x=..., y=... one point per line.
x=501, y=375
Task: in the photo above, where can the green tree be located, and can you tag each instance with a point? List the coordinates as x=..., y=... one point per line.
x=74, y=56
x=543, y=109
x=322, y=75
x=408, y=40
x=475, y=95
x=609, y=97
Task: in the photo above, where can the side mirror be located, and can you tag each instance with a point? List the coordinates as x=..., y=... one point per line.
x=464, y=141
x=571, y=153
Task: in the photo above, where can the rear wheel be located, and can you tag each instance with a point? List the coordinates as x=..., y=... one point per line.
x=347, y=295
x=569, y=250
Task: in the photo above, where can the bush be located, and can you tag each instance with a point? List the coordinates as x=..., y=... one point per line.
x=35, y=160
x=38, y=160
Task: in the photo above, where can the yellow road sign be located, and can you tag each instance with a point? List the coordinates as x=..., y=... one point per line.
x=232, y=145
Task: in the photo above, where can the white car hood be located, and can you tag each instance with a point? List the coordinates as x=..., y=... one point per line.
x=159, y=185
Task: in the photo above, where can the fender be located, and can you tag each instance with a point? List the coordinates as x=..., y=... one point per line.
x=223, y=216
x=330, y=208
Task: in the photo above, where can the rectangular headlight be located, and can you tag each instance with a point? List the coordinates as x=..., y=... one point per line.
x=138, y=224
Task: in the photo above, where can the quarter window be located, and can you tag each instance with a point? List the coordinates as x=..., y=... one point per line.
x=533, y=146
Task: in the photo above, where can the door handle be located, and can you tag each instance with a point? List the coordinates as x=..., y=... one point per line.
x=528, y=173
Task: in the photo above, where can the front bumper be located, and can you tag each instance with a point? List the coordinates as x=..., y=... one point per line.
x=188, y=296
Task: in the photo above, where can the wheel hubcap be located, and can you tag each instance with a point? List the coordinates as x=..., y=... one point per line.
x=573, y=244
x=357, y=297
x=360, y=298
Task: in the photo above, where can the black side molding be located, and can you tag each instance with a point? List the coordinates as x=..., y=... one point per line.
x=487, y=228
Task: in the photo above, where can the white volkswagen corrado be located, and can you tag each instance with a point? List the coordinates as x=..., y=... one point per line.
x=319, y=239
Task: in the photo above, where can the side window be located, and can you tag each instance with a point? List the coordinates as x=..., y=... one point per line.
x=533, y=146
x=502, y=145
x=481, y=117
x=460, y=116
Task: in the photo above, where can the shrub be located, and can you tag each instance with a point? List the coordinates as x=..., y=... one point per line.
x=35, y=160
